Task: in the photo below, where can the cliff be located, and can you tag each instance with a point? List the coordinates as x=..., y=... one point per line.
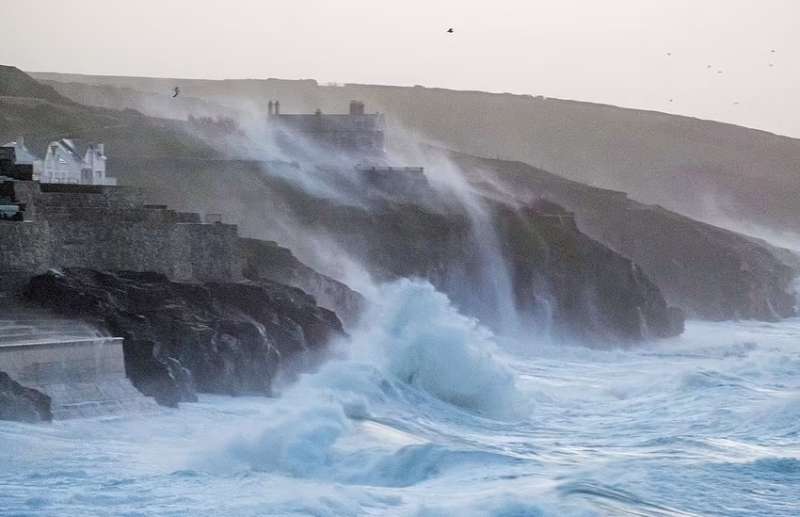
x=710, y=272
x=560, y=280
x=707, y=271
x=266, y=260
x=180, y=339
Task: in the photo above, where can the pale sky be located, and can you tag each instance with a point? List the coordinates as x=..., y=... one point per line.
x=611, y=51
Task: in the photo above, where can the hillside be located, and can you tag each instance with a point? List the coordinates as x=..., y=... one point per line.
x=709, y=272
x=715, y=172
x=40, y=114
x=16, y=83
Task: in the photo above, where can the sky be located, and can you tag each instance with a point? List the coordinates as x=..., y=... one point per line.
x=703, y=58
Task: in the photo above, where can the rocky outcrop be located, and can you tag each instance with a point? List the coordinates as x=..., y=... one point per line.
x=580, y=289
x=266, y=260
x=180, y=339
x=429, y=234
x=22, y=404
x=709, y=272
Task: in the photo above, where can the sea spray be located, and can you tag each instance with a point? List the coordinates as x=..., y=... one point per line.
x=424, y=341
x=614, y=431
x=493, y=288
x=413, y=350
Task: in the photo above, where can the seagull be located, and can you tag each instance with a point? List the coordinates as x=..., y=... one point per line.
x=669, y=53
x=177, y=92
x=450, y=30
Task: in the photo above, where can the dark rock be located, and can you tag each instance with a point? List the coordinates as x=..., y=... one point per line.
x=266, y=260
x=22, y=404
x=428, y=235
x=709, y=272
x=227, y=338
x=594, y=294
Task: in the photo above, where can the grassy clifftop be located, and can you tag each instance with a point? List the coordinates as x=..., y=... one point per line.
x=41, y=114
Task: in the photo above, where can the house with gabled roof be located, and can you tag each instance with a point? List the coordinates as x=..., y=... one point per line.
x=70, y=161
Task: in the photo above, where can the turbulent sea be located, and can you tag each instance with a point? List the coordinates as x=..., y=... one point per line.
x=425, y=415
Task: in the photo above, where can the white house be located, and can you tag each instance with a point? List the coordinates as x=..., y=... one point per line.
x=68, y=162
x=25, y=157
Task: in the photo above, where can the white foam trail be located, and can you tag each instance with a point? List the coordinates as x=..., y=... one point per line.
x=423, y=340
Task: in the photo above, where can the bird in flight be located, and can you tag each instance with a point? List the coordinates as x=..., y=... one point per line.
x=177, y=92
x=450, y=30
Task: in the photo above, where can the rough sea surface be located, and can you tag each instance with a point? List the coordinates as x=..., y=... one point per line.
x=427, y=416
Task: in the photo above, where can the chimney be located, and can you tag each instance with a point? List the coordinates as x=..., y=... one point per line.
x=101, y=147
x=356, y=108
x=270, y=107
x=21, y=141
x=277, y=107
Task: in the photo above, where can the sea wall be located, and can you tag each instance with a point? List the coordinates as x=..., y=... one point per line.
x=82, y=377
x=106, y=228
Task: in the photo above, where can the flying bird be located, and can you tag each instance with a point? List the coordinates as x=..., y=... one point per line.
x=450, y=30
x=177, y=92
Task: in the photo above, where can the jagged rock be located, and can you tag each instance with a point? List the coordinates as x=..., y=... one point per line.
x=594, y=295
x=267, y=260
x=709, y=272
x=427, y=236
x=228, y=338
x=22, y=404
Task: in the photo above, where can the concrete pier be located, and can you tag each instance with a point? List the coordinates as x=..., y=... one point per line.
x=83, y=374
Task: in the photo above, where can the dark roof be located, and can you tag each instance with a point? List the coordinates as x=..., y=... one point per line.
x=76, y=147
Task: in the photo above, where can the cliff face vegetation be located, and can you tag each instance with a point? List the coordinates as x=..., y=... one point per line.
x=228, y=338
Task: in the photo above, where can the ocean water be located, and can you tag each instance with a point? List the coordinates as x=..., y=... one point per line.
x=426, y=415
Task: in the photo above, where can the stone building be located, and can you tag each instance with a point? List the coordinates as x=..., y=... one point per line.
x=68, y=161
x=355, y=132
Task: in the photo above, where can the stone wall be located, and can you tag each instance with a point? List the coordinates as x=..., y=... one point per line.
x=82, y=377
x=111, y=229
